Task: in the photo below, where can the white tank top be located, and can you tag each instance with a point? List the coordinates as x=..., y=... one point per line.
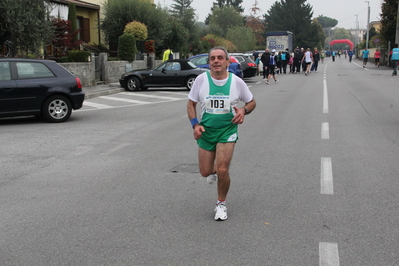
x=308, y=58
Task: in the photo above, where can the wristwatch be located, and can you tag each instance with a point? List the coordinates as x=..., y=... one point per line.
x=246, y=110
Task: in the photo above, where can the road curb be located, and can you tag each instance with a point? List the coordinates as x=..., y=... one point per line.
x=111, y=90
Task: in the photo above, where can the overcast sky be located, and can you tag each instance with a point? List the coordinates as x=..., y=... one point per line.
x=342, y=10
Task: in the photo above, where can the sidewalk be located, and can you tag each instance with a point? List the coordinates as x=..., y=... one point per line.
x=100, y=90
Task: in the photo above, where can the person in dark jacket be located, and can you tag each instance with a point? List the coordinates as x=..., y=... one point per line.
x=272, y=64
x=265, y=61
x=285, y=58
x=316, y=59
x=297, y=61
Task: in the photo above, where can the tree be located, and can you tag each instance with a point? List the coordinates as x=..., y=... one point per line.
x=118, y=13
x=340, y=33
x=72, y=20
x=242, y=37
x=182, y=11
x=138, y=29
x=254, y=22
x=62, y=37
x=220, y=4
x=291, y=15
x=177, y=39
x=317, y=36
x=373, y=34
x=127, y=47
x=236, y=4
x=389, y=11
x=26, y=24
x=214, y=40
x=224, y=18
x=327, y=22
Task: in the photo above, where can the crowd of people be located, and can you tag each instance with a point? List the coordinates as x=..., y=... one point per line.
x=300, y=60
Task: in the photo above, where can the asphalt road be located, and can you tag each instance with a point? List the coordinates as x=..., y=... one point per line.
x=314, y=179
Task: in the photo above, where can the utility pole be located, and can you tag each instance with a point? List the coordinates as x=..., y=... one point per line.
x=368, y=23
x=357, y=32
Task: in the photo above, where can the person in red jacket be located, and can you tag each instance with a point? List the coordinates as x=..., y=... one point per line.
x=377, y=56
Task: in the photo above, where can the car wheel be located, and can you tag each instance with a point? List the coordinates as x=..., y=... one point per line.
x=133, y=84
x=189, y=82
x=57, y=109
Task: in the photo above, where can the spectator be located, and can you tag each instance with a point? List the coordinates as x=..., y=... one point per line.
x=168, y=54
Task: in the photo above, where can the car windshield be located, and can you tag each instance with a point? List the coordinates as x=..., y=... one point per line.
x=200, y=60
x=239, y=58
x=160, y=67
x=169, y=66
x=192, y=64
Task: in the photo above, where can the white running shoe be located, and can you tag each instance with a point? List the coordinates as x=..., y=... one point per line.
x=211, y=178
x=267, y=82
x=221, y=212
x=276, y=81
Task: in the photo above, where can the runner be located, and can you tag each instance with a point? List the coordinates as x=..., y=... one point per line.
x=218, y=93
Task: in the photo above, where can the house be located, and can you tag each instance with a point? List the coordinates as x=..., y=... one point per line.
x=87, y=16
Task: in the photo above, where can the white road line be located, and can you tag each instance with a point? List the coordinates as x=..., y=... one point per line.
x=328, y=254
x=97, y=105
x=153, y=96
x=361, y=66
x=123, y=100
x=325, y=131
x=174, y=92
x=326, y=176
x=325, y=97
x=120, y=146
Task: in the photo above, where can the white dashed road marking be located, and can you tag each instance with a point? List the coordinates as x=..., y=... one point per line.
x=326, y=176
x=328, y=254
x=325, y=131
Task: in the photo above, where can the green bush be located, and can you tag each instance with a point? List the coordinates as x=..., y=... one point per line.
x=138, y=29
x=78, y=56
x=63, y=59
x=127, y=47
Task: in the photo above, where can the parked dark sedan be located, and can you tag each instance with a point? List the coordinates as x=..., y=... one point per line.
x=171, y=73
x=248, y=65
x=201, y=60
x=38, y=87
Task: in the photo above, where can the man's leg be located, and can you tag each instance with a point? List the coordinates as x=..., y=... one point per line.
x=224, y=154
x=206, y=162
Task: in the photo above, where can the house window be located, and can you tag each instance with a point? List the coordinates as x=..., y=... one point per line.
x=84, y=25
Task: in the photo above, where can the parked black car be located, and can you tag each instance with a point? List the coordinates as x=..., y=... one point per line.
x=171, y=73
x=248, y=65
x=38, y=87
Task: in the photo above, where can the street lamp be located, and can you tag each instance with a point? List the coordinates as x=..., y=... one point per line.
x=368, y=23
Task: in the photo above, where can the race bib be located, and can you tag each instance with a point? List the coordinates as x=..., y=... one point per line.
x=217, y=104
